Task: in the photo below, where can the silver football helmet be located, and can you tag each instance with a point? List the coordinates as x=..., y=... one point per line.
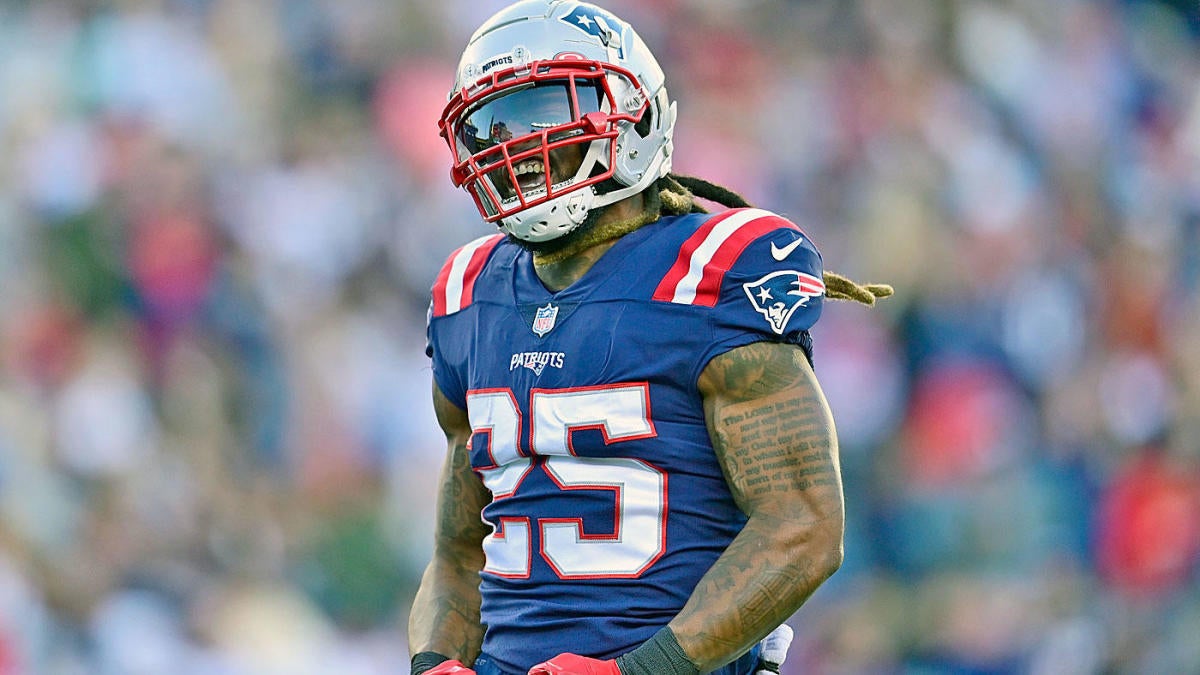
x=558, y=108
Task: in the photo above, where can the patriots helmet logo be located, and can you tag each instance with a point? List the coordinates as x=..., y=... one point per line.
x=778, y=295
x=599, y=24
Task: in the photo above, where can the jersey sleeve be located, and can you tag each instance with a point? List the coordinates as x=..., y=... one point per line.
x=453, y=292
x=440, y=350
x=772, y=289
x=447, y=363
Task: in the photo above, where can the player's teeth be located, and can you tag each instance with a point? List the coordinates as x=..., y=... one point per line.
x=528, y=167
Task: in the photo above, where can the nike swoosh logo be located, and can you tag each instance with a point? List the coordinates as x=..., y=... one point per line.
x=782, y=253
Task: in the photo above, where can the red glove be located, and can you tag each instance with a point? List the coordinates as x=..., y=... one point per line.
x=574, y=664
x=450, y=668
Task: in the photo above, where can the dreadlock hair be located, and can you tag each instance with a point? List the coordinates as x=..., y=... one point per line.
x=677, y=196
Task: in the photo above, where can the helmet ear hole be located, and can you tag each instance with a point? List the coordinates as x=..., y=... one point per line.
x=646, y=124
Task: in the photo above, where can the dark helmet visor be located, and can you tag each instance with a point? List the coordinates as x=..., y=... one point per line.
x=527, y=111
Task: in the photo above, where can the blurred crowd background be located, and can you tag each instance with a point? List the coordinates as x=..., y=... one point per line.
x=219, y=221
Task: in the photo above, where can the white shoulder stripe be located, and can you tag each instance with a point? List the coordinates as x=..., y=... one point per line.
x=458, y=272
x=685, y=290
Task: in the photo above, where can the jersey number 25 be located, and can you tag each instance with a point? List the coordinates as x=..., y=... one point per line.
x=620, y=413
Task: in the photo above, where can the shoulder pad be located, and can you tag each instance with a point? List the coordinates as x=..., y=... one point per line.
x=708, y=254
x=455, y=285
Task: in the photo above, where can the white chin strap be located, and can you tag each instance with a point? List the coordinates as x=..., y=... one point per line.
x=561, y=215
x=551, y=219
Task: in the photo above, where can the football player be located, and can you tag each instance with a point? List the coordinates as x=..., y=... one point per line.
x=624, y=380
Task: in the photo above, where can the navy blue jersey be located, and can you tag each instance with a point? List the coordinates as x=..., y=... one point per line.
x=608, y=503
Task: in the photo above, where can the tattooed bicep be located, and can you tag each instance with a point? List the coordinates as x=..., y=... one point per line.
x=450, y=417
x=772, y=430
x=461, y=495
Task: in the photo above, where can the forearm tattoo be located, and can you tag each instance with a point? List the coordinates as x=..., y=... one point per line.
x=773, y=433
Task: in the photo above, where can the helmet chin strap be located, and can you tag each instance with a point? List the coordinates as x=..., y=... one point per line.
x=550, y=220
x=562, y=215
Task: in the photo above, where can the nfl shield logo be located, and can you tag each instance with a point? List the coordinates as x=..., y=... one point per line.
x=543, y=321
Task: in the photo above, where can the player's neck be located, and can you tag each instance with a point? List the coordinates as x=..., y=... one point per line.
x=563, y=267
x=561, y=273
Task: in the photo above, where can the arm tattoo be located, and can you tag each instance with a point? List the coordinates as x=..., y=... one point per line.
x=445, y=612
x=774, y=436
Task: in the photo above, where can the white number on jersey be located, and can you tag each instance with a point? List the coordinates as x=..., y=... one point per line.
x=620, y=413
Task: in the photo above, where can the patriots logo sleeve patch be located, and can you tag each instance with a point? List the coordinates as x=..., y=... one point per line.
x=778, y=295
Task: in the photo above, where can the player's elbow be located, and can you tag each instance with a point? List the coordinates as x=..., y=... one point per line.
x=827, y=550
x=812, y=544
x=456, y=559
x=820, y=545
x=831, y=560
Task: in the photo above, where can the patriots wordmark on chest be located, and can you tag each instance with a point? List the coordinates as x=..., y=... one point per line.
x=544, y=319
x=536, y=361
